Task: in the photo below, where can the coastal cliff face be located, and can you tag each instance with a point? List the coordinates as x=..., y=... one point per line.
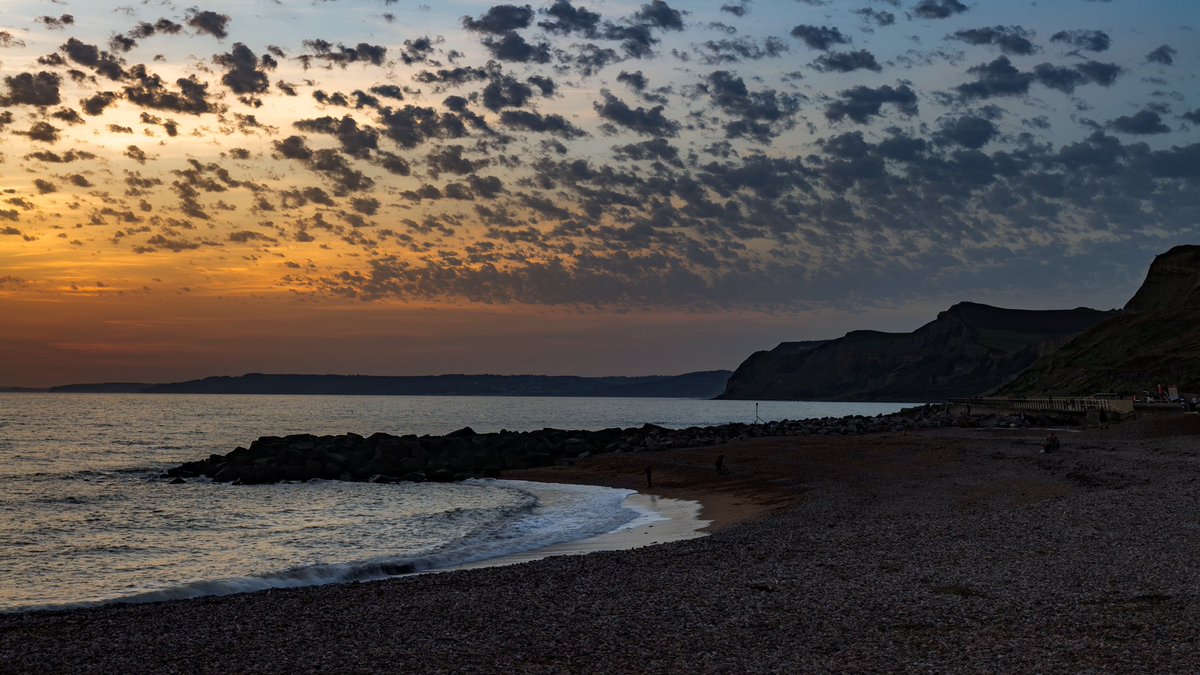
x=1173, y=282
x=1156, y=340
x=969, y=349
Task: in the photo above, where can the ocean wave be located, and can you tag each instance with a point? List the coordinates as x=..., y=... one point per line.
x=550, y=515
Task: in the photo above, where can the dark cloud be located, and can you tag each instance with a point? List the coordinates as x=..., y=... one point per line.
x=969, y=131
x=500, y=19
x=8, y=40
x=456, y=76
x=567, y=19
x=660, y=15
x=1090, y=40
x=341, y=55
x=1193, y=116
x=38, y=89
x=1163, y=54
x=742, y=8
x=150, y=91
x=532, y=121
x=56, y=22
x=42, y=131
x=861, y=103
x=1064, y=79
x=65, y=158
x=511, y=46
x=1103, y=74
x=938, y=9
x=636, y=80
x=997, y=78
x=654, y=149
x=356, y=141
x=245, y=73
x=760, y=115
x=845, y=62
x=450, y=159
x=505, y=92
x=1143, y=122
x=412, y=125
x=1010, y=39
x=819, y=37
x=733, y=50
x=212, y=23
x=651, y=121
x=879, y=17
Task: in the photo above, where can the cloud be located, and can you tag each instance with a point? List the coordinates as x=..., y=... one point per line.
x=500, y=19
x=243, y=74
x=1090, y=40
x=819, y=37
x=938, y=9
x=862, y=103
x=878, y=17
x=969, y=131
x=505, y=92
x=207, y=22
x=650, y=122
x=845, y=62
x=660, y=15
x=149, y=90
x=567, y=19
x=537, y=122
x=1143, y=122
x=761, y=115
x=38, y=89
x=1163, y=54
x=740, y=49
x=511, y=46
x=997, y=78
x=56, y=22
x=1010, y=39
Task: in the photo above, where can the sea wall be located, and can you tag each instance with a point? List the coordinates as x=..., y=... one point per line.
x=464, y=453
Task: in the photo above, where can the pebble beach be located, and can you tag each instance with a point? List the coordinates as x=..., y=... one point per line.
x=944, y=550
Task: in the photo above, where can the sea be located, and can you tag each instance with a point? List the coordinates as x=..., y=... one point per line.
x=87, y=518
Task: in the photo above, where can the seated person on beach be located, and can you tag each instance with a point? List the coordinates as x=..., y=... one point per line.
x=1051, y=444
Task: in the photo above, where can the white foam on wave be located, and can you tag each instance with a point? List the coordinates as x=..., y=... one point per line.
x=558, y=515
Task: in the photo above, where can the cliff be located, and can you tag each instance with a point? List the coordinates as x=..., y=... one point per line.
x=1156, y=340
x=1173, y=282
x=968, y=349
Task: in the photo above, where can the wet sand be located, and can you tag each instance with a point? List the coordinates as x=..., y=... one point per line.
x=941, y=550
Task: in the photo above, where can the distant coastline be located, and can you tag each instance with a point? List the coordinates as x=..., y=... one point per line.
x=702, y=384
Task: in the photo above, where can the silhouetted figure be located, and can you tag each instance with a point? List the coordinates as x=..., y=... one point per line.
x=649, y=480
x=1051, y=444
x=1103, y=419
x=721, y=468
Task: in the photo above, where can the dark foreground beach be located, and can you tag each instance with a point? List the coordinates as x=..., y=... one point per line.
x=938, y=550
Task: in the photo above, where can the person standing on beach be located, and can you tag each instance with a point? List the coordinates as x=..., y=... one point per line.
x=649, y=481
x=721, y=468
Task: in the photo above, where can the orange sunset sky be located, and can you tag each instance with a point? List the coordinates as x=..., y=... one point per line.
x=568, y=187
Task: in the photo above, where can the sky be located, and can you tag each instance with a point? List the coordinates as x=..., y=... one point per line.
x=570, y=187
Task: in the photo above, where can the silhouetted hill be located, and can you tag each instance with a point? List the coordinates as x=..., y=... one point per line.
x=1155, y=341
x=705, y=384
x=969, y=349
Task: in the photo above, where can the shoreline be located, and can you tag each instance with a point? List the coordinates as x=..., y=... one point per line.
x=943, y=549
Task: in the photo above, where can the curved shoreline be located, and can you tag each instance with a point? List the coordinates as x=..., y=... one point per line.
x=663, y=520
x=950, y=550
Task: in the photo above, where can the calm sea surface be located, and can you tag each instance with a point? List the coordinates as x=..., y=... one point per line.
x=86, y=518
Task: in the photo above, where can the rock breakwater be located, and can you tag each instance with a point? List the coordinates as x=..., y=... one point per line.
x=464, y=453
